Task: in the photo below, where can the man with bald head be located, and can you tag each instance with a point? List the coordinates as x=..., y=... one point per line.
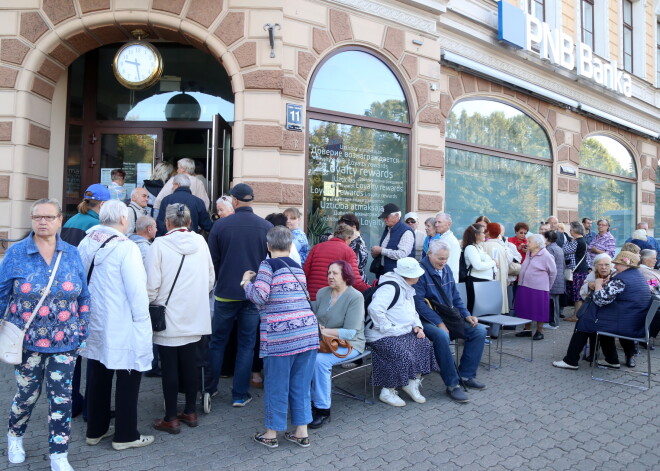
x=137, y=207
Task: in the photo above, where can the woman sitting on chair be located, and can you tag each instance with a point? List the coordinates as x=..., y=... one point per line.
x=340, y=313
x=624, y=292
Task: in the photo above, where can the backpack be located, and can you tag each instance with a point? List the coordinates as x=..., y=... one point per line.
x=369, y=295
x=463, y=270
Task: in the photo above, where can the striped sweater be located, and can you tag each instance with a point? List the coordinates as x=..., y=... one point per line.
x=288, y=325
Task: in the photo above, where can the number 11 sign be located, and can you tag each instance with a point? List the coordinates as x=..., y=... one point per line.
x=293, y=117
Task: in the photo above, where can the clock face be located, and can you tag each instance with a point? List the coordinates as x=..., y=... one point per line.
x=138, y=65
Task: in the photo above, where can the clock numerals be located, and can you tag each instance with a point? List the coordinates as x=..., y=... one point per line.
x=138, y=66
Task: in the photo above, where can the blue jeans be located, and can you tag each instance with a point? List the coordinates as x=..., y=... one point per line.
x=472, y=350
x=321, y=381
x=247, y=317
x=287, y=386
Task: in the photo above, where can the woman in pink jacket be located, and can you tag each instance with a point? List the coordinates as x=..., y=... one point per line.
x=537, y=275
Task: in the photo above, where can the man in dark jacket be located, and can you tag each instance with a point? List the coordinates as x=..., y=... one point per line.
x=199, y=216
x=237, y=244
x=438, y=274
x=398, y=241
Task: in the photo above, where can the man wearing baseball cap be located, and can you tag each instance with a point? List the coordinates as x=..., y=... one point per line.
x=237, y=244
x=412, y=220
x=398, y=241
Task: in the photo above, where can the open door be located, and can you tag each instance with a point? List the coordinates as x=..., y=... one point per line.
x=219, y=160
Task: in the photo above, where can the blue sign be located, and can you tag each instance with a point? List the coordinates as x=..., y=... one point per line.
x=293, y=117
x=511, y=25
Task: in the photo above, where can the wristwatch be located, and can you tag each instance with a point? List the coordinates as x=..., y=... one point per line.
x=243, y=282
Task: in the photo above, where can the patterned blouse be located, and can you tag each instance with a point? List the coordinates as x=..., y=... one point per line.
x=603, y=242
x=301, y=243
x=607, y=294
x=61, y=322
x=288, y=325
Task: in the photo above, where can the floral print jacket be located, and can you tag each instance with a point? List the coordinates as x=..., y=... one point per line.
x=61, y=322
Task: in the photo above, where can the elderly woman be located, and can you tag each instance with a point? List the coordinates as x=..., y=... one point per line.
x=640, y=239
x=119, y=340
x=559, y=286
x=536, y=277
x=648, y=259
x=401, y=353
x=289, y=339
x=224, y=206
x=300, y=241
x=603, y=242
x=431, y=234
x=622, y=301
x=481, y=266
x=44, y=292
x=575, y=252
x=184, y=291
x=340, y=313
x=162, y=172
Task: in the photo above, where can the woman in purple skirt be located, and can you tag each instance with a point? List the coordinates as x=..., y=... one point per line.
x=536, y=277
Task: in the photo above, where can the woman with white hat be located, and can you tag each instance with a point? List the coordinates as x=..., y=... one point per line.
x=401, y=353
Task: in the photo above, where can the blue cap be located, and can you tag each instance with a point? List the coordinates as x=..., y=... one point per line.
x=97, y=192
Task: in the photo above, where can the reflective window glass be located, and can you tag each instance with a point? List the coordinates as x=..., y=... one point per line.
x=611, y=199
x=358, y=83
x=507, y=190
x=657, y=212
x=604, y=154
x=497, y=125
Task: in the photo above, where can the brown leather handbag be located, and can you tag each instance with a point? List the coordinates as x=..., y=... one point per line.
x=331, y=344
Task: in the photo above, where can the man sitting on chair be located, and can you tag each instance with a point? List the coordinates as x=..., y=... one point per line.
x=438, y=274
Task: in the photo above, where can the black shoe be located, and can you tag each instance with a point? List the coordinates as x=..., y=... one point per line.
x=630, y=362
x=538, y=336
x=645, y=345
x=153, y=373
x=320, y=417
x=524, y=333
x=561, y=316
x=589, y=358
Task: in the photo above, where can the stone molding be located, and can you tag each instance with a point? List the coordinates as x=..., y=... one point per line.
x=396, y=15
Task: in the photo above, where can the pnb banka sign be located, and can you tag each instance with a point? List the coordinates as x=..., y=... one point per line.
x=527, y=32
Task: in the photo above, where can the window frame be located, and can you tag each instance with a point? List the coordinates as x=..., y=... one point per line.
x=538, y=3
x=583, y=29
x=628, y=49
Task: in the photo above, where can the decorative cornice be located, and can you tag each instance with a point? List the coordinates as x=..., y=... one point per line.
x=393, y=14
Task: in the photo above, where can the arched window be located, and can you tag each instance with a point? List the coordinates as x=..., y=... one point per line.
x=656, y=217
x=498, y=163
x=608, y=187
x=358, y=143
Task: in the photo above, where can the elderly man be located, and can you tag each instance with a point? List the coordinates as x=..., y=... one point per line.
x=137, y=207
x=412, y=220
x=145, y=232
x=650, y=239
x=438, y=276
x=397, y=241
x=562, y=238
x=187, y=167
x=442, y=227
x=199, y=215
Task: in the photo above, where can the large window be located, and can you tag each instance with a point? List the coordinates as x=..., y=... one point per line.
x=498, y=163
x=628, y=35
x=358, y=143
x=587, y=14
x=608, y=185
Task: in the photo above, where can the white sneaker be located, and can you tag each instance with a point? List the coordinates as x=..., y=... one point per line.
x=15, y=450
x=60, y=462
x=144, y=440
x=391, y=396
x=412, y=389
x=550, y=327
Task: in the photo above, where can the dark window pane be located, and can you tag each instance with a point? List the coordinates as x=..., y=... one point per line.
x=76, y=92
x=358, y=83
x=495, y=124
x=604, y=154
x=474, y=186
x=73, y=167
x=134, y=153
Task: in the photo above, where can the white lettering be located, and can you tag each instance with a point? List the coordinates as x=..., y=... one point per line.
x=584, y=61
x=550, y=45
x=567, y=52
x=534, y=31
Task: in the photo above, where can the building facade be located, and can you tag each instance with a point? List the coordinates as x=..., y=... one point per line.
x=515, y=111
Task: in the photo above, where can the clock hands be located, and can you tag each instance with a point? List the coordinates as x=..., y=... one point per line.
x=137, y=67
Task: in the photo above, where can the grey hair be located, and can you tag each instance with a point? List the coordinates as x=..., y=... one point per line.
x=577, y=227
x=279, y=238
x=437, y=246
x=429, y=221
x=647, y=253
x=538, y=238
x=112, y=212
x=187, y=165
x=639, y=234
x=162, y=171
x=601, y=256
x=143, y=223
x=178, y=215
x=181, y=179
x=552, y=216
x=443, y=215
x=136, y=190
x=51, y=201
x=226, y=200
x=397, y=214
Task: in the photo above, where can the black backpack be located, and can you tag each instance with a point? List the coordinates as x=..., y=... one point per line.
x=463, y=270
x=369, y=295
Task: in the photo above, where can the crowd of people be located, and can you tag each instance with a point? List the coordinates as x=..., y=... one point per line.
x=126, y=285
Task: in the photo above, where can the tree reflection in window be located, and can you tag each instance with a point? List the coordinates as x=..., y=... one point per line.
x=604, y=154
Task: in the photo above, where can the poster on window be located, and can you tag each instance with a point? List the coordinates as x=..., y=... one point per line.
x=353, y=169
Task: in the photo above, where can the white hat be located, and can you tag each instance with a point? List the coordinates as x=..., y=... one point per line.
x=408, y=268
x=411, y=215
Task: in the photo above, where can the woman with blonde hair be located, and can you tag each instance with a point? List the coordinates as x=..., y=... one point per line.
x=162, y=172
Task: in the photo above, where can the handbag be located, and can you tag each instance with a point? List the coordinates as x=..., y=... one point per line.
x=157, y=311
x=568, y=273
x=451, y=317
x=11, y=336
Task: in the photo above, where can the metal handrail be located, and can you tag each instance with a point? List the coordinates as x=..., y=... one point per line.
x=4, y=242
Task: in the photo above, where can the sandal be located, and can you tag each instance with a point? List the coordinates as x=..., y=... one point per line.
x=269, y=442
x=303, y=442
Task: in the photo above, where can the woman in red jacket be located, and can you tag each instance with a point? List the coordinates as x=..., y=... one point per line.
x=325, y=253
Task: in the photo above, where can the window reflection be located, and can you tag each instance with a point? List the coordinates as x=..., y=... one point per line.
x=604, y=154
x=507, y=190
x=494, y=124
x=161, y=108
x=358, y=83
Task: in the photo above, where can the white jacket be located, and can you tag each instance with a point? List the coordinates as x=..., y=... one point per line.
x=119, y=327
x=188, y=314
x=483, y=266
x=398, y=320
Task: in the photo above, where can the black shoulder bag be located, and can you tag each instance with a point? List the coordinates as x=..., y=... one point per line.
x=157, y=311
x=451, y=317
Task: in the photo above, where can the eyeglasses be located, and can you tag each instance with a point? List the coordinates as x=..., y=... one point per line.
x=45, y=218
